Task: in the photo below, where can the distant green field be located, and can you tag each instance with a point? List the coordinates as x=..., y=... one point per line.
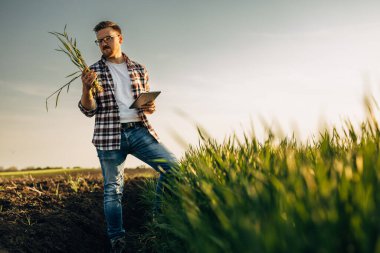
x=47, y=172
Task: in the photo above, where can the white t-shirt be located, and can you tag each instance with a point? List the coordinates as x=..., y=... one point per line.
x=123, y=92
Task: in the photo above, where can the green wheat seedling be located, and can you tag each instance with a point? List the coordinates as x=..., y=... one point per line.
x=74, y=183
x=57, y=190
x=69, y=47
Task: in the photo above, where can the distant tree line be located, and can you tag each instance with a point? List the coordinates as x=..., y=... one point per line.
x=30, y=168
x=14, y=168
x=11, y=168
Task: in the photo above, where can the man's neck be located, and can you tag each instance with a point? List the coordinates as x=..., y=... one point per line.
x=116, y=59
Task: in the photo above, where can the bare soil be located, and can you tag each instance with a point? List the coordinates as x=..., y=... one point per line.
x=65, y=213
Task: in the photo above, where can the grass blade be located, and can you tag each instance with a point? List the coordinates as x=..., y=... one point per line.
x=56, y=100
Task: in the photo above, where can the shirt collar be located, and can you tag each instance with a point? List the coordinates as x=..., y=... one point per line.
x=126, y=59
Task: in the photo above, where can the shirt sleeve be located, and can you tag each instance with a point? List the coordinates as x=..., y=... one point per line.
x=146, y=78
x=88, y=113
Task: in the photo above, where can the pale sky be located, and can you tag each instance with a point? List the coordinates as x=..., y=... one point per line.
x=224, y=64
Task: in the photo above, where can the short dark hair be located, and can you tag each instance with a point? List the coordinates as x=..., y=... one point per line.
x=105, y=24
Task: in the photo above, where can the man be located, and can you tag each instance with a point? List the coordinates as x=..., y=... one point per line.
x=120, y=131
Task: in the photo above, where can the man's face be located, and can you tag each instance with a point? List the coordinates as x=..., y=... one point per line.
x=109, y=42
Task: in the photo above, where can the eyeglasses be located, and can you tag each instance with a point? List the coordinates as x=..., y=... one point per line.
x=105, y=39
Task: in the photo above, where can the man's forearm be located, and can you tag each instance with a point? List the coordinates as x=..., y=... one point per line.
x=88, y=100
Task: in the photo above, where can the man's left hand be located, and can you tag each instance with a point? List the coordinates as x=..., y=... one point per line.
x=149, y=108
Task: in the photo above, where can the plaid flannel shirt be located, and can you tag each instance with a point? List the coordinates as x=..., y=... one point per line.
x=107, y=131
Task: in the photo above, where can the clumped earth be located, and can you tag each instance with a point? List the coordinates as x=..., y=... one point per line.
x=65, y=213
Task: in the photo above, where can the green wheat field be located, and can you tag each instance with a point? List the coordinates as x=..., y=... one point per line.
x=278, y=195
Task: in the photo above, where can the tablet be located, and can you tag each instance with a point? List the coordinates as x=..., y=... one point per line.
x=144, y=98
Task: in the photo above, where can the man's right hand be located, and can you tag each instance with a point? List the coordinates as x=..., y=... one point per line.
x=88, y=77
x=87, y=100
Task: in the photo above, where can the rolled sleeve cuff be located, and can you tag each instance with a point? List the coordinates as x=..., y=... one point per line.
x=88, y=113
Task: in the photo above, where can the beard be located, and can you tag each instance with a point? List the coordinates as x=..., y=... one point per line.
x=107, y=51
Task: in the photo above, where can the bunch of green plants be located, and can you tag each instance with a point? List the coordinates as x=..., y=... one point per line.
x=279, y=195
x=69, y=48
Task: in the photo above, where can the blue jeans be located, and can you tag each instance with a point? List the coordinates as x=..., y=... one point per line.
x=140, y=143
